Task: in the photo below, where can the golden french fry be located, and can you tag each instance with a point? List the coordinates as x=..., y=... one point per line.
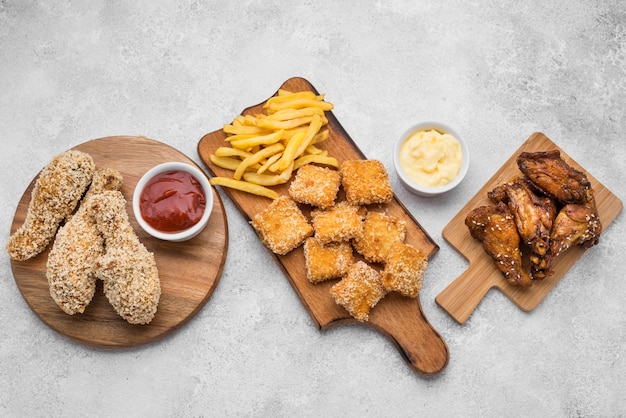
x=288, y=114
x=238, y=121
x=264, y=179
x=243, y=129
x=269, y=179
x=299, y=104
x=315, y=158
x=286, y=175
x=314, y=127
x=321, y=136
x=244, y=186
x=231, y=152
x=289, y=133
x=251, y=119
x=312, y=149
x=228, y=163
x=284, y=95
x=269, y=162
x=258, y=140
x=282, y=124
x=256, y=158
x=290, y=152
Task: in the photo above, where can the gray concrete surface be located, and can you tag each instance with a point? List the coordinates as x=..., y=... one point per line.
x=175, y=70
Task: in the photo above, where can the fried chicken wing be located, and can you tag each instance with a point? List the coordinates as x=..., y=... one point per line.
x=494, y=226
x=128, y=269
x=550, y=174
x=575, y=224
x=70, y=268
x=533, y=216
x=56, y=194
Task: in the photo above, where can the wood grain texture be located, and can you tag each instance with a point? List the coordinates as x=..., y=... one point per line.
x=463, y=295
x=400, y=319
x=189, y=271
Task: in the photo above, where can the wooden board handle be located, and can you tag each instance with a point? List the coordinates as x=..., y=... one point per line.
x=404, y=323
x=464, y=294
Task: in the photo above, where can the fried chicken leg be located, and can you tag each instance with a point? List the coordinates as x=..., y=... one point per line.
x=56, y=194
x=551, y=175
x=70, y=268
x=128, y=269
x=494, y=226
x=533, y=216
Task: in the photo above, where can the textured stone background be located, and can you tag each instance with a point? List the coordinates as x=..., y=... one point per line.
x=175, y=70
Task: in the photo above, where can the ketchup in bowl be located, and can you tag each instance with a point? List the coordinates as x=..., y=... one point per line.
x=172, y=201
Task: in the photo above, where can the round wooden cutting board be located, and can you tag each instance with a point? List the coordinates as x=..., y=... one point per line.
x=189, y=271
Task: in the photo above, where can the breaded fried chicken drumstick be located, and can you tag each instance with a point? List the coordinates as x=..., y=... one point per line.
x=128, y=269
x=56, y=194
x=72, y=260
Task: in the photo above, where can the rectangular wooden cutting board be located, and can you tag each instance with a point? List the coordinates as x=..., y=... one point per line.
x=400, y=319
x=464, y=294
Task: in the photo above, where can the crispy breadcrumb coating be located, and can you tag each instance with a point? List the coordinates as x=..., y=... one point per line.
x=324, y=262
x=314, y=185
x=380, y=231
x=341, y=222
x=404, y=269
x=56, y=194
x=282, y=226
x=128, y=269
x=359, y=291
x=70, y=268
x=365, y=182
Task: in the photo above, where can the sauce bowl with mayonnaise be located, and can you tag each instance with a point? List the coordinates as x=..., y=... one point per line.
x=431, y=158
x=173, y=201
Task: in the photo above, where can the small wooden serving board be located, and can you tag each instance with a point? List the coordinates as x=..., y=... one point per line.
x=400, y=319
x=464, y=294
x=189, y=271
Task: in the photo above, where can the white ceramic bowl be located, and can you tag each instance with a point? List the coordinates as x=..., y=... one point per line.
x=416, y=188
x=182, y=235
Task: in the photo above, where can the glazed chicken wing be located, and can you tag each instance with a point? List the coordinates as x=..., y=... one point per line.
x=494, y=226
x=575, y=224
x=554, y=177
x=533, y=216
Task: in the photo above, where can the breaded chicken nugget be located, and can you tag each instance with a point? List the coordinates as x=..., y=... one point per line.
x=365, y=182
x=55, y=195
x=314, y=185
x=71, y=264
x=404, y=269
x=359, y=291
x=380, y=231
x=341, y=222
x=282, y=226
x=128, y=269
x=324, y=262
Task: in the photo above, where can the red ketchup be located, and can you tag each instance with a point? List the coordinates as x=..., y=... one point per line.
x=172, y=201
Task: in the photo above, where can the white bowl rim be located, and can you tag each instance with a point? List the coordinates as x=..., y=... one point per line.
x=442, y=128
x=172, y=166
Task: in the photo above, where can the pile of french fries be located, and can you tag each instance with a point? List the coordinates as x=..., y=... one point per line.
x=265, y=149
